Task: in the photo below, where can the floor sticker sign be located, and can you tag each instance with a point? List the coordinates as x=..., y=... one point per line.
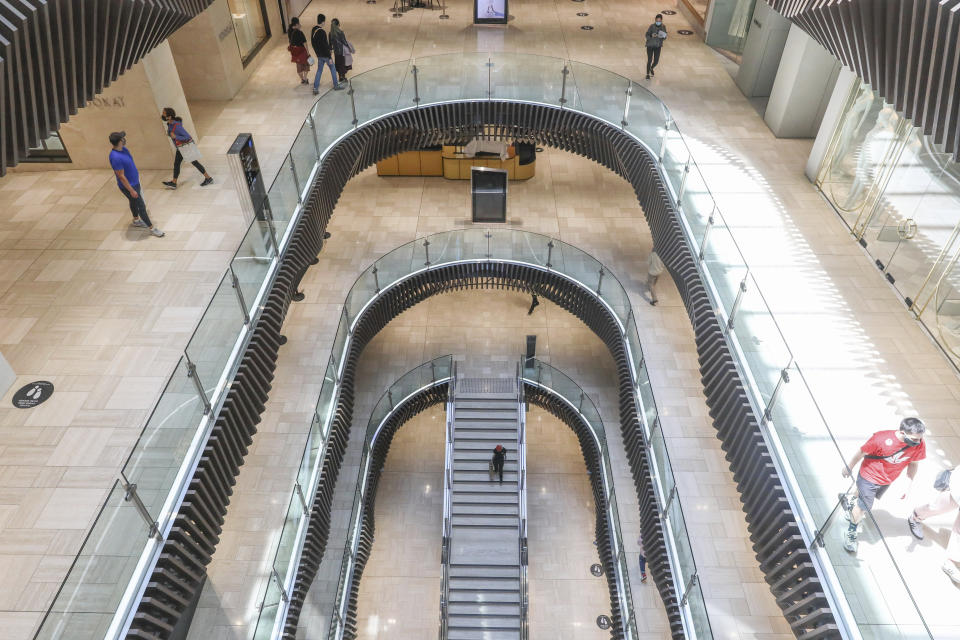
x=31, y=395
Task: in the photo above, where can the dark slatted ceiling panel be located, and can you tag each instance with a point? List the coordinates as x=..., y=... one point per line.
x=55, y=55
x=907, y=50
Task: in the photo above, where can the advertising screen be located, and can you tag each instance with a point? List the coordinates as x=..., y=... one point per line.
x=490, y=11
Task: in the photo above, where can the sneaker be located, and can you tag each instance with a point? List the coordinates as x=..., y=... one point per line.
x=157, y=232
x=950, y=568
x=648, y=76
x=643, y=577
x=304, y=82
x=170, y=184
x=850, y=540
x=915, y=527
x=139, y=223
x=206, y=182
x=652, y=73
x=339, y=87
x=316, y=91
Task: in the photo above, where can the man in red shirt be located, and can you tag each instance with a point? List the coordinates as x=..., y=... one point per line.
x=884, y=457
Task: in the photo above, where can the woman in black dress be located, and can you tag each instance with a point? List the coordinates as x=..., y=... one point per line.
x=342, y=50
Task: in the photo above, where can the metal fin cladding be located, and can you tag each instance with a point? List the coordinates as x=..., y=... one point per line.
x=774, y=532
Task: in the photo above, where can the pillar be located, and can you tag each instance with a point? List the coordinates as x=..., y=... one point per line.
x=762, y=51
x=802, y=88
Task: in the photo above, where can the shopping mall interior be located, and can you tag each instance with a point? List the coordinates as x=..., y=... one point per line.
x=502, y=335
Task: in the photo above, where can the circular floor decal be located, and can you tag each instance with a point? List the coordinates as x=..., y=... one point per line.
x=32, y=394
x=596, y=570
x=587, y=27
x=576, y=0
x=604, y=622
x=669, y=12
x=583, y=15
x=685, y=32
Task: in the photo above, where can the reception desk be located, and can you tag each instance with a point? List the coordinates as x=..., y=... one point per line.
x=452, y=164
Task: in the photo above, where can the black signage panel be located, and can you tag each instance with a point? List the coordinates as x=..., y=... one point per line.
x=244, y=149
x=490, y=11
x=30, y=395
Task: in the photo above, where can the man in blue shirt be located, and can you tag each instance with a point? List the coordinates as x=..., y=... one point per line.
x=128, y=179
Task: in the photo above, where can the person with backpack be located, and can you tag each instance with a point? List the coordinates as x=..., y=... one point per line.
x=656, y=34
x=321, y=47
x=948, y=484
x=185, y=146
x=885, y=455
x=499, y=457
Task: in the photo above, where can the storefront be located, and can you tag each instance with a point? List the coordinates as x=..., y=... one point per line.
x=251, y=26
x=899, y=194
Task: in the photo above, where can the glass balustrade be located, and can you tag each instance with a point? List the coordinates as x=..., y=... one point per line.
x=170, y=438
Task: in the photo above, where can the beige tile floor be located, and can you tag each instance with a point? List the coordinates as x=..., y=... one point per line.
x=82, y=297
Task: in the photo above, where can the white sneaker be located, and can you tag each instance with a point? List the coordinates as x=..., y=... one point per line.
x=139, y=223
x=155, y=231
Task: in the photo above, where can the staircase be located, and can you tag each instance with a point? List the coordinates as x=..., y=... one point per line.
x=484, y=519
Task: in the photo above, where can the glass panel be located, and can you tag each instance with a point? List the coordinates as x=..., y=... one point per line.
x=288, y=536
x=395, y=265
x=332, y=117
x=658, y=447
x=599, y=92
x=156, y=458
x=270, y=608
x=760, y=341
x=579, y=265
x=216, y=335
x=283, y=197
x=92, y=591
x=675, y=156
x=527, y=77
x=304, y=154
x=730, y=23
x=252, y=262
x=377, y=92
x=724, y=264
x=646, y=118
x=696, y=204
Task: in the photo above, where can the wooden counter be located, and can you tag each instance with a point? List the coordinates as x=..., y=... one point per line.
x=450, y=164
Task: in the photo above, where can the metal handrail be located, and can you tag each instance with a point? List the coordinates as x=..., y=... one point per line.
x=522, y=488
x=447, y=504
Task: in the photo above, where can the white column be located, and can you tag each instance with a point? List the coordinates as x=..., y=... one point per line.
x=7, y=376
x=831, y=118
x=802, y=88
x=762, y=51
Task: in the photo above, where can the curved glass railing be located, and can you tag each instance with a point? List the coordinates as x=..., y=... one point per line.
x=154, y=477
x=518, y=247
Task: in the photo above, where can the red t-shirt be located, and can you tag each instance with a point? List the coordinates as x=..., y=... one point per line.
x=886, y=444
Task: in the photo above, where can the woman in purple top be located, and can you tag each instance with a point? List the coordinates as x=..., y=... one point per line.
x=180, y=139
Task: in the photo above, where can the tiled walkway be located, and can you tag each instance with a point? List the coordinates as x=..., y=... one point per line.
x=103, y=312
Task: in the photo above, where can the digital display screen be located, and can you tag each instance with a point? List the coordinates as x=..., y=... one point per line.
x=490, y=11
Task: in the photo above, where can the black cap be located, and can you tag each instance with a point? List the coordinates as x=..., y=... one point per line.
x=117, y=136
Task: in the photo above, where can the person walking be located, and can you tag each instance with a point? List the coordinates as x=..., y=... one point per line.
x=534, y=303
x=656, y=34
x=321, y=47
x=947, y=500
x=654, y=269
x=342, y=49
x=499, y=457
x=884, y=456
x=643, y=559
x=185, y=146
x=298, y=49
x=128, y=180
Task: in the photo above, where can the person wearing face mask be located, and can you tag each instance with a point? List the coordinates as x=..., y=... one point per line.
x=885, y=455
x=656, y=33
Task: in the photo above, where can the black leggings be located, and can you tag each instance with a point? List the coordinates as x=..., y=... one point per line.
x=653, y=58
x=179, y=159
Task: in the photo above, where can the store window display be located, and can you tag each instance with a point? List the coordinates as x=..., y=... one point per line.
x=250, y=26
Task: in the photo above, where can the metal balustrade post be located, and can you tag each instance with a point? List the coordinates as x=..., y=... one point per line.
x=669, y=501
x=376, y=279
x=539, y=372
x=192, y=374
x=130, y=495
x=488, y=235
x=626, y=106
x=443, y=13
x=784, y=377
x=433, y=372
x=691, y=583
x=416, y=86
x=296, y=179
x=353, y=102
x=236, y=288
x=663, y=143
x=426, y=249
x=706, y=234
x=313, y=129
x=303, y=498
x=600, y=281
x=737, y=301
x=549, y=253
x=580, y=406
x=283, y=592
x=271, y=230
x=390, y=398
x=489, y=79
x=683, y=183
x=563, y=87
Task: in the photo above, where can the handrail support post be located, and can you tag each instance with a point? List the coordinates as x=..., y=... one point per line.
x=737, y=301
x=130, y=495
